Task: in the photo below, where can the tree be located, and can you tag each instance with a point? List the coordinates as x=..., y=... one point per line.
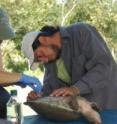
x=29, y=15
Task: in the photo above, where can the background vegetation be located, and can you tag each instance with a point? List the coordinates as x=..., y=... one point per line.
x=30, y=15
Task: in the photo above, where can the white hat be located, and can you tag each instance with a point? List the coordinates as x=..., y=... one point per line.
x=27, y=42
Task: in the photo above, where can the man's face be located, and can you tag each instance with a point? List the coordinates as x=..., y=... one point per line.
x=47, y=51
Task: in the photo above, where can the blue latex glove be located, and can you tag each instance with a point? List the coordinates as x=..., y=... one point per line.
x=33, y=82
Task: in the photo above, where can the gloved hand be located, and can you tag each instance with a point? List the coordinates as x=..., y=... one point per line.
x=33, y=82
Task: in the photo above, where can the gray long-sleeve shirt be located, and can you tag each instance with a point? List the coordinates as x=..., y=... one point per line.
x=89, y=63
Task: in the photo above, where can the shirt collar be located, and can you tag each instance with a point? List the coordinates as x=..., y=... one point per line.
x=64, y=33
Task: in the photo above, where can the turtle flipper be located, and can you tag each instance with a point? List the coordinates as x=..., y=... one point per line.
x=88, y=112
x=95, y=107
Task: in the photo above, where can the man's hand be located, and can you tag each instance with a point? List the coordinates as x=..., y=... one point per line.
x=66, y=91
x=32, y=95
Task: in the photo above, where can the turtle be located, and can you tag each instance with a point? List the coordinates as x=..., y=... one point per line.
x=66, y=108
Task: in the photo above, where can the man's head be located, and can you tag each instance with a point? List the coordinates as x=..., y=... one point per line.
x=6, y=31
x=43, y=46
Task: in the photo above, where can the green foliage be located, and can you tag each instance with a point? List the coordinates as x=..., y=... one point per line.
x=29, y=15
x=25, y=16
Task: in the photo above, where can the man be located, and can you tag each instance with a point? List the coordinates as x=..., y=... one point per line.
x=76, y=60
x=6, y=32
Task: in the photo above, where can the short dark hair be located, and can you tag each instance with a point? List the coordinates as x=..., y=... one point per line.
x=36, y=43
x=45, y=31
x=49, y=30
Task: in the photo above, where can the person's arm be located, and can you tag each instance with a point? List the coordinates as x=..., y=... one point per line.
x=99, y=61
x=20, y=79
x=7, y=78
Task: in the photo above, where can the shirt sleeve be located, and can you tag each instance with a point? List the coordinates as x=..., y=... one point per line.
x=98, y=64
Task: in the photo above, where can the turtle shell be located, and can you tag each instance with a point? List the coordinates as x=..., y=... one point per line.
x=56, y=108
